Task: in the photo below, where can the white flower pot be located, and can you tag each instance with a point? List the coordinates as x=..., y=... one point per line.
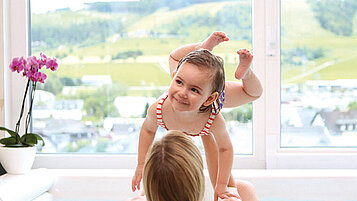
x=17, y=160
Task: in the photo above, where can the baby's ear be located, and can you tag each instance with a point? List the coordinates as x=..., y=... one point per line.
x=213, y=97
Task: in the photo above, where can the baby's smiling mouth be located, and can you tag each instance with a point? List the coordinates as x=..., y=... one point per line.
x=181, y=101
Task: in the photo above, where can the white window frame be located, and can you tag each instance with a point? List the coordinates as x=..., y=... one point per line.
x=277, y=157
x=267, y=153
x=2, y=83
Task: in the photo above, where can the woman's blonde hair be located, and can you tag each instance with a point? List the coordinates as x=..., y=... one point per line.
x=173, y=170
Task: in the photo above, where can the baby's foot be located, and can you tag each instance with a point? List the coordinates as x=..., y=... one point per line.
x=245, y=59
x=213, y=40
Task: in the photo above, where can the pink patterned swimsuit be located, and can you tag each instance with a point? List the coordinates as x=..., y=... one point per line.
x=160, y=122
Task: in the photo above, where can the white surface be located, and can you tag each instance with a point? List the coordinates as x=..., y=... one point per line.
x=44, y=197
x=114, y=184
x=25, y=187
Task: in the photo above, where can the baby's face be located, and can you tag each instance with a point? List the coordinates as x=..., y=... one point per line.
x=190, y=87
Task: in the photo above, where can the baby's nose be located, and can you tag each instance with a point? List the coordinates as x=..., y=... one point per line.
x=183, y=94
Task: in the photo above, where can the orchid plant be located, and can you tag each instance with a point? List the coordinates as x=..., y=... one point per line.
x=31, y=69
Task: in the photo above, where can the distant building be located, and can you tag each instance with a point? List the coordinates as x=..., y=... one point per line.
x=96, y=80
x=297, y=116
x=62, y=109
x=329, y=85
x=140, y=33
x=310, y=136
x=63, y=131
x=122, y=125
x=132, y=106
x=43, y=100
x=337, y=122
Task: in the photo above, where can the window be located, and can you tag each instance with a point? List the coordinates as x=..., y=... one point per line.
x=97, y=94
x=270, y=46
x=318, y=74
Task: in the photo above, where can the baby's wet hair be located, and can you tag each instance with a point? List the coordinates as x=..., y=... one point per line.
x=206, y=60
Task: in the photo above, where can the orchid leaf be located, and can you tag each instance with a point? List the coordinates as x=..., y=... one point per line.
x=29, y=139
x=39, y=138
x=8, y=141
x=11, y=132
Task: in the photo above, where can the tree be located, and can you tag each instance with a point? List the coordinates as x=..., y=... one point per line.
x=145, y=110
x=53, y=85
x=335, y=15
x=352, y=105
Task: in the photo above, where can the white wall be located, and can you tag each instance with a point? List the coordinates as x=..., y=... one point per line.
x=2, y=117
x=10, y=47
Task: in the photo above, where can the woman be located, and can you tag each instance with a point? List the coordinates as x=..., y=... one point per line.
x=173, y=171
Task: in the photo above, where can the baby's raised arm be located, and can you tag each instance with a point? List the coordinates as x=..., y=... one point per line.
x=147, y=135
x=212, y=41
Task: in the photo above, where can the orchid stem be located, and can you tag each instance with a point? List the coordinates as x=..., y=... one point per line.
x=17, y=128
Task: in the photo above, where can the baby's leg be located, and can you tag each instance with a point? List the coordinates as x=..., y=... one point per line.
x=245, y=59
x=211, y=151
x=213, y=40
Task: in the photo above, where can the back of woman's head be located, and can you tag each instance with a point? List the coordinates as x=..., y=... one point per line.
x=173, y=170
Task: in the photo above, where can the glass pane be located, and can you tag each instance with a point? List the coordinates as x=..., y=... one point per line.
x=318, y=73
x=113, y=63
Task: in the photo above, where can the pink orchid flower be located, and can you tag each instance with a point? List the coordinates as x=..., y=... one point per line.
x=42, y=60
x=32, y=63
x=18, y=64
x=31, y=75
x=52, y=64
x=42, y=77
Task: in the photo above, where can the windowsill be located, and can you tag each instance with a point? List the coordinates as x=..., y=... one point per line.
x=237, y=173
x=296, y=184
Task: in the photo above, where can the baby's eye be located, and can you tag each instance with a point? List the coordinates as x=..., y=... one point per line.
x=194, y=90
x=178, y=82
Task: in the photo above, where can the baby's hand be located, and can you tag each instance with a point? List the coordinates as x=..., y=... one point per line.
x=135, y=182
x=245, y=59
x=213, y=40
x=221, y=191
x=234, y=191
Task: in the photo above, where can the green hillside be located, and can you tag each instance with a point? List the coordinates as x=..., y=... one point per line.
x=301, y=29
x=302, y=37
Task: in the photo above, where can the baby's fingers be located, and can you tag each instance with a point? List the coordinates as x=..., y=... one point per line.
x=133, y=184
x=224, y=196
x=138, y=183
x=241, y=52
x=233, y=195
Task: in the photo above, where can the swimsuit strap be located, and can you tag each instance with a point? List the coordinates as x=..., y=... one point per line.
x=205, y=130
x=160, y=122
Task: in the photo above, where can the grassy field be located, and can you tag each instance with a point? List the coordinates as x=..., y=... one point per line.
x=138, y=74
x=299, y=29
